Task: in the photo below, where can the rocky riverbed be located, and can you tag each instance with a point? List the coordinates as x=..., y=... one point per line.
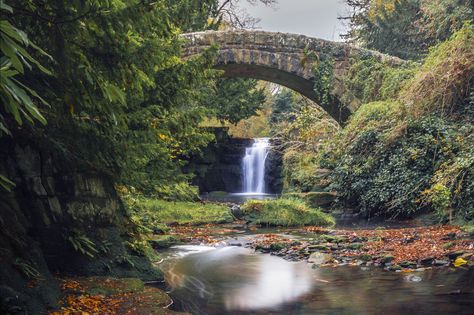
x=399, y=250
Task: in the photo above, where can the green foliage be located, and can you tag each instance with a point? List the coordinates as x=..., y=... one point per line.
x=236, y=99
x=299, y=171
x=414, y=149
x=122, y=101
x=302, y=127
x=406, y=28
x=283, y=107
x=380, y=166
x=284, y=212
x=16, y=96
x=82, y=244
x=26, y=268
x=323, y=80
x=381, y=173
x=369, y=80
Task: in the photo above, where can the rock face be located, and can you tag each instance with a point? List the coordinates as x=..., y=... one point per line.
x=219, y=166
x=285, y=59
x=55, y=204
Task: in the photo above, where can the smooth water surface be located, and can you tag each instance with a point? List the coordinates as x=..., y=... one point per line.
x=235, y=280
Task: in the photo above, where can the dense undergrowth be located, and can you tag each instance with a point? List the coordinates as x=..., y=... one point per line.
x=413, y=149
x=407, y=150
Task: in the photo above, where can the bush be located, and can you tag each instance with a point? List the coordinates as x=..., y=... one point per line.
x=284, y=212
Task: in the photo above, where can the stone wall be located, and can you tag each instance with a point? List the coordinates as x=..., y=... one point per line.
x=56, y=201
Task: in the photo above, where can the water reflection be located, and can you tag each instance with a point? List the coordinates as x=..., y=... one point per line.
x=237, y=279
x=234, y=280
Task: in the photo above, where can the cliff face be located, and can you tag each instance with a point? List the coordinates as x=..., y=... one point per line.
x=60, y=218
x=219, y=166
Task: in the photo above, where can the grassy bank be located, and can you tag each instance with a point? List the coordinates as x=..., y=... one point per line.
x=284, y=212
x=153, y=213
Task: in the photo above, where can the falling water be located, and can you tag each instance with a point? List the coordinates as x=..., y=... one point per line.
x=253, y=166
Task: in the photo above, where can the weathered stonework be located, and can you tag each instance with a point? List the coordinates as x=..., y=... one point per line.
x=286, y=59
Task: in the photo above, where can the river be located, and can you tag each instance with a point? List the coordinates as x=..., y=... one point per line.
x=236, y=280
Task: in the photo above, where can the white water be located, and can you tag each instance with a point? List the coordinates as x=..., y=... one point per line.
x=253, y=166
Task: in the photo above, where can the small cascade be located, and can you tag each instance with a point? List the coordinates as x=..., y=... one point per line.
x=253, y=166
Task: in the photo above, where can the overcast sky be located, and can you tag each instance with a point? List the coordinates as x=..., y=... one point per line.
x=315, y=18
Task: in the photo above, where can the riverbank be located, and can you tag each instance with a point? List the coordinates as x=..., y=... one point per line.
x=400, y=249
x=379, y=248
x=418, y=249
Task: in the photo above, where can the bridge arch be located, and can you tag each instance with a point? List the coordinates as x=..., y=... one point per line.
x=284, y=59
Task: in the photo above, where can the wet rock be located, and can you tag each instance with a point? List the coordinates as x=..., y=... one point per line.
x=163, y=241
x=408, y=264
x=277, y=246
x=427, y=261
x=439, y=262
x=318, y=258
x=365, y=257
x=236, y=211
x=395, y=267
x=455, y=254
x=386, y=259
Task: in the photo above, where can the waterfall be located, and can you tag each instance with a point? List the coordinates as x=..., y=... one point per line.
x=253, y=166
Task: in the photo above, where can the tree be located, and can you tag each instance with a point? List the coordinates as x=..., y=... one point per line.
x=236, y=99
x=405, y=28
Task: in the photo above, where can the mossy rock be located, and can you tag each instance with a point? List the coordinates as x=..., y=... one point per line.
x=109, y=286
x=277, y=246
x=387, y=259
x=408, y=264
x=354, y=246
x=317, y=247
x=365, y=257
x=163, y=241
x=331, y=238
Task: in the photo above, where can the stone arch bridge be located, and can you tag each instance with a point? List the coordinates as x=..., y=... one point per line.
x=285, y=59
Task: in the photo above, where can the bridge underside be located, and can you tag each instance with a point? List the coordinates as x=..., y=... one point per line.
x=290, y=80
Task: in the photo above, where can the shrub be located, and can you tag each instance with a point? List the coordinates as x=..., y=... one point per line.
x=379, y=174
x=284, y=212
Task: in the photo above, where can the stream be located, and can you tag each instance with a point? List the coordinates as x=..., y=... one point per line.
x=236, y=280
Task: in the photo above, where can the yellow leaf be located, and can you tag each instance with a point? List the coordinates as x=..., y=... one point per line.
x=459, y=262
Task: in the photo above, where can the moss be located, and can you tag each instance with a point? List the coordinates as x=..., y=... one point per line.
x=149, y=212
x=284, y=212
